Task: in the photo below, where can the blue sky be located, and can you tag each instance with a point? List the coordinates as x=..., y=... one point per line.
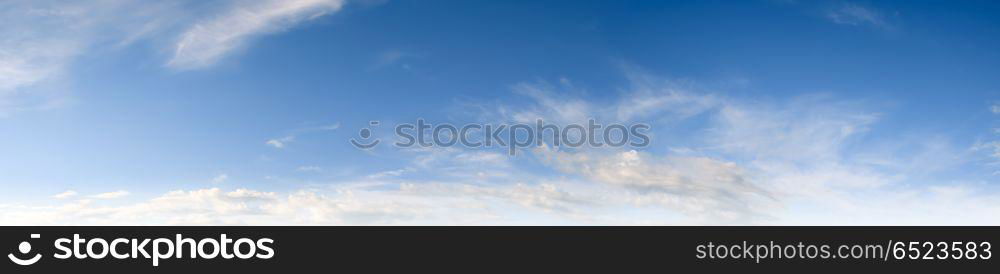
x=762, y=112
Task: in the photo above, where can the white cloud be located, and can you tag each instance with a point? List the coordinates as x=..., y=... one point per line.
x=284, y=141
x=696, y=186
x=855, y=15
x=210, y=39
x=561, y=110
x=280, y=142
x=25, y=63
x=327, y=127
x=222, y=178
x=647, y=98
x=461, y=164
x=653, y=97
x=956, y=204
x=205, y=206
x=111, y=195
x=387, y=58
x=560, y=202
x=343, y=205
x=41, y=39
x=991, y=148
x=64, y=195
x=38, y=41
x=309, y=169
x=804, y=128
x=388, y=174
x=544, y=197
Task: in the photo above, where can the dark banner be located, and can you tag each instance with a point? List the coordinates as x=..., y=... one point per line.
x=477, y=249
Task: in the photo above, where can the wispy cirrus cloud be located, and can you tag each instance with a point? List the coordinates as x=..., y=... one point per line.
x=208, y=40
x=110, y=195
x=388, y=58
x=991, y=147
x=282, y=142
x=65, y=195
x=711, y=189
x=221, y=178
x=858, y=15
x=41, y=39
x=309, y=169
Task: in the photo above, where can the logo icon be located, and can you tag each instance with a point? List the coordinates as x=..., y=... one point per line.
x=25, y=248
x=365, y=134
